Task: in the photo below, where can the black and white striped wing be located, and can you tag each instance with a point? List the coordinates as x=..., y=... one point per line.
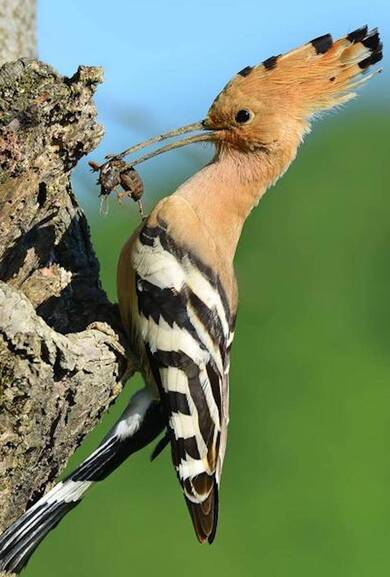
x=184, y=322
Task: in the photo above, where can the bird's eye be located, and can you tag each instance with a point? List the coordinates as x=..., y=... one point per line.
x=243, y=116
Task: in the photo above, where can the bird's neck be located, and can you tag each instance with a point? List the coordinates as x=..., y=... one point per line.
x=225, y=191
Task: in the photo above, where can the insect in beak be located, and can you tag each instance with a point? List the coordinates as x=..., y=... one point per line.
x=116, y=172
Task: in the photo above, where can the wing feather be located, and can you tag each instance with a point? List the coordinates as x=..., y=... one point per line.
x=184, y=322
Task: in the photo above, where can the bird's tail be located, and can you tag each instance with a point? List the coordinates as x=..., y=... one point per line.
x=20, y=540
x=140, y=423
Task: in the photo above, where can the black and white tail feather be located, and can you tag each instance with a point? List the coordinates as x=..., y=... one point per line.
x=142, y=421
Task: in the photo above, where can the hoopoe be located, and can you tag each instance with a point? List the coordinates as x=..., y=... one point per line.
x=176, y=284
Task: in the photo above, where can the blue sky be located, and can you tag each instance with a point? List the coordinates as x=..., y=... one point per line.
x=165, y=60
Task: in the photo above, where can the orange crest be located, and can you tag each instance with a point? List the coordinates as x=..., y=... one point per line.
x=263, y=102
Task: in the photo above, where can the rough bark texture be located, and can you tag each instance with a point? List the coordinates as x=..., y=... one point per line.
x=62, y=355
x=17, y=29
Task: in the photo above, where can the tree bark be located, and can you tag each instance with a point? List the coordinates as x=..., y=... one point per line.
x=63, y=358
x=17, y=29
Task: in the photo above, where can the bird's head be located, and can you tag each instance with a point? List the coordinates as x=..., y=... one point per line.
x=252, y=114
x=268, y=107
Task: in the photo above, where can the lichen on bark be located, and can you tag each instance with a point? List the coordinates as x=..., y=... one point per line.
x=63, y=356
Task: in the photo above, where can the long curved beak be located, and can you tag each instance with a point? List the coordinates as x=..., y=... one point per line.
x=204, y=136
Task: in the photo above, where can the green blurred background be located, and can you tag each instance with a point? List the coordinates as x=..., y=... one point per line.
x=306, y=481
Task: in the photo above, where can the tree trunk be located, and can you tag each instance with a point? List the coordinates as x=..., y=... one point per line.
x=62, y=354
x=17, y=29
